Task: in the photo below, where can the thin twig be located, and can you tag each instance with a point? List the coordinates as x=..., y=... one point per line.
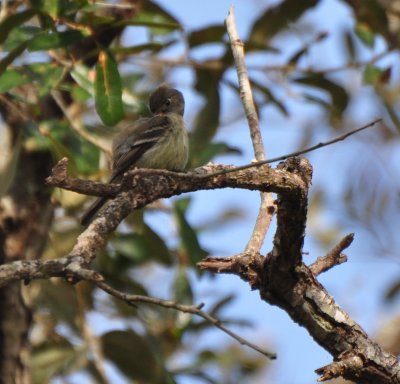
x=267, y=208
x=296, y=153
x=193, y=309
x=332, y=258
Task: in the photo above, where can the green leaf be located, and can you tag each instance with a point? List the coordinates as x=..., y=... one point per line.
x=212, y=150
x=371, y=16
x=189, y=241
x=52, y=358
x=108, y=90
x=393, y=115
x=372, y=74
x=6, y=61
x=207, y=119
x=210, y=34
x=277, y=18
x=143, y=245
x=365, y=34
x=12, y=78
x=339, y=96
x=153, y=47
x=13, y=21
x=270, y=97
x=155, y=17
x=53, y=40
x=133, y=356
x=56, y=8
x=45, y=75
x=80, y=73
x=183, y=293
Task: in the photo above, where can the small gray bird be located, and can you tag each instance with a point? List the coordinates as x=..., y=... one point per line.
x=159, y=142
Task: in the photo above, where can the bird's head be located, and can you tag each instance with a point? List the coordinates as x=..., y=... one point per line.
x=166, y=100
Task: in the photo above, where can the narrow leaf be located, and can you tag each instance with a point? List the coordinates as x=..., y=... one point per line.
x=339, y=96
x=276, y=18
x=108, y=90
x=190, y=241
x=46, y=41
x=13, y=21
x=12, y=78
x=6, y=61
x=210, y=34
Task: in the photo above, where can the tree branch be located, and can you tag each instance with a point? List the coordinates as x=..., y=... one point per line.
x=267, y=206
x=283, y=280
x=74, y=268
x=193, y=309
x=334, y=257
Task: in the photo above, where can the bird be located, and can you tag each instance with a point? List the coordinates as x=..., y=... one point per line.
x=157, y=142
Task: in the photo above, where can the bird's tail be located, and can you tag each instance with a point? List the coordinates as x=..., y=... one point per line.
x=92, y=210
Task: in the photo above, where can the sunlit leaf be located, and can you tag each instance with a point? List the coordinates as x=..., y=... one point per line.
x=81, y=74
x=372, y=74
x=108, y=90
x=365, y=34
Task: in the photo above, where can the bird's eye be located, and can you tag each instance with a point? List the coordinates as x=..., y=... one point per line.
x=168, y=102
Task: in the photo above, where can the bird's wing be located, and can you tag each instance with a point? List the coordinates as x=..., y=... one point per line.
x=133, y=143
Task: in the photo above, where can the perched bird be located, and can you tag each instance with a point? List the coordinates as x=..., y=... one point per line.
x=159, y=142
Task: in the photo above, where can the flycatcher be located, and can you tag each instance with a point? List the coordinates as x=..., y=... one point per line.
x=159, y=142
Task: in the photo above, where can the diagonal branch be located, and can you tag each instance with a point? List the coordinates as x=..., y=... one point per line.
x=193, y=309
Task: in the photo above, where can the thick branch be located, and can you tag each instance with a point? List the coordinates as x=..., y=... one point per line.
x=284, y=280
x=148, y=185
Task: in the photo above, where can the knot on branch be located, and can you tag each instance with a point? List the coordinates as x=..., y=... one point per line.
x=298, y=165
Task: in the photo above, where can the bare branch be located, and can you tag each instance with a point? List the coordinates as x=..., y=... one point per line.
x=73, y=269
x=267, y=207
x=334, y=257
x=339, y=368
x=193, y=309
x=300, y=152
